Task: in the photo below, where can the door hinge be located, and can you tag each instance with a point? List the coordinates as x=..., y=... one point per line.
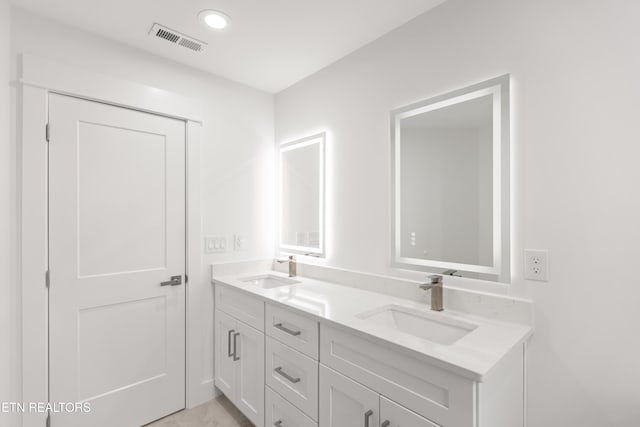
x=47, y=132
x=186, y=279
x=48, y=423
x=47, y=279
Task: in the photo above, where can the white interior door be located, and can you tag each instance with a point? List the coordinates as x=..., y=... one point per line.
x=117, y=231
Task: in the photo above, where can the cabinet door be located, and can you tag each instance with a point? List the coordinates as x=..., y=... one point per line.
x=249, y=345
x=394, y=415
x=345, y=403
x=225, y=367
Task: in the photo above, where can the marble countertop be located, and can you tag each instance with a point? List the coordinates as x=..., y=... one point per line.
x=474, y=356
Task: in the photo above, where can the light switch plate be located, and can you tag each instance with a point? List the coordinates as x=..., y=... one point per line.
x=239, y=242
x=215, y=244
x=536, y=265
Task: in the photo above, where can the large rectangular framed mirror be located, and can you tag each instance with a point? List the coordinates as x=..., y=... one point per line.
x=450, y=181
x=302, y=196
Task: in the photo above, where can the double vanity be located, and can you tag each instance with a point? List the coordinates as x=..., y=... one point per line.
x=301, y=352
x=307, y=351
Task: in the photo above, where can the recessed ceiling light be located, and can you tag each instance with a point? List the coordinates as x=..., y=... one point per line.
x=215, y=20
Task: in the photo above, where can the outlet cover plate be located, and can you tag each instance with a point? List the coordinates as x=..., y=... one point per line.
x=536, y=265
x=239, y=242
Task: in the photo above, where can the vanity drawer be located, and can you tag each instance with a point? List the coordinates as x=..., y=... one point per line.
x=295, y=330
x=293, y=375
x=398, y=416
x=279, y=410
x=238, y=304
x=441, y=396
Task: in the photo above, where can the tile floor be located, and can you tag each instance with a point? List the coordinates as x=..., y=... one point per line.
x=219, y=412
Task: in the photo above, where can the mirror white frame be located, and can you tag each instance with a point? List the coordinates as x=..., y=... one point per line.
x=284, y=148
x=500, y=269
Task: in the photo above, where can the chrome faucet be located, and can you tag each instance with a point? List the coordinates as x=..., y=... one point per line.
x=292, y=264
x=435, y=285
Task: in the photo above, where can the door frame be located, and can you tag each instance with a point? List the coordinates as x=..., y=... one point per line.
x=37, y=79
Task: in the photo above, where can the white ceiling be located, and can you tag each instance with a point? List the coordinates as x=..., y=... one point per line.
x=272, y=43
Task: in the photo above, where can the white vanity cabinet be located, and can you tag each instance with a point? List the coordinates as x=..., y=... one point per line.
x=394, y=415
x=345, y=403
x=291, y=366
x=239, y=353
x=283, y=367
x=281, y=413
x=292, y=328
x=293, y=375
x=355, y=371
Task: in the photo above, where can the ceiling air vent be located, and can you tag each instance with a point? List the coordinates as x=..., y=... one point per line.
x=177, y=38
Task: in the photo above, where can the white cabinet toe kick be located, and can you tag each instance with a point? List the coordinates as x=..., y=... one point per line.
x=284, y=367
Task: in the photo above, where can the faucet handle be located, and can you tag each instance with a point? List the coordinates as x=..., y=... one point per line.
x=435, y=279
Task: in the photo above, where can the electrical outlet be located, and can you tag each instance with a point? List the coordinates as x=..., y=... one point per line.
x=536, y=265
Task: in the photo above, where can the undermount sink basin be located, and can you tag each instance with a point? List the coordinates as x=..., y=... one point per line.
x=434, y=327
x=268, y=281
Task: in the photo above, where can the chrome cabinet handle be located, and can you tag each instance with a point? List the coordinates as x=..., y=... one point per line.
x=229, y=352
x=385, y=424
x=235, y=346
x=278, y=423
x=367, y=417
x=175, y=281
x=287, y=330
x=288, y=377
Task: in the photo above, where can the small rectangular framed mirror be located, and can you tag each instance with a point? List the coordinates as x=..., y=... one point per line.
x=302, y=196
x=450, y=186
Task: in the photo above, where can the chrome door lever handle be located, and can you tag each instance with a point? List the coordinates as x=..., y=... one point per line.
x=175, y=281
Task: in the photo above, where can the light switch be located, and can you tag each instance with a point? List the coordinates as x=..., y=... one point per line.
x=215, y=244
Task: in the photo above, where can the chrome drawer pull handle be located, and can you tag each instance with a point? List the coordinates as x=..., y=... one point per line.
x=229, y=352
x=278, y=423
x=288, y=377
x=367, y=416
x=235, y=346
x=385, y=424
x=287, y=330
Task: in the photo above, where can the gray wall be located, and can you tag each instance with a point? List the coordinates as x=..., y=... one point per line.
x=236, y=158
x=575, y=92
